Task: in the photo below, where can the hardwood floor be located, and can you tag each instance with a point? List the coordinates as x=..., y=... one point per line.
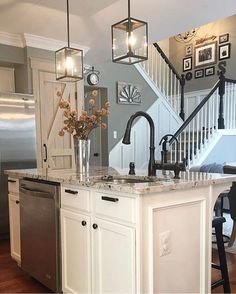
x=12, y=278
x=231, y=261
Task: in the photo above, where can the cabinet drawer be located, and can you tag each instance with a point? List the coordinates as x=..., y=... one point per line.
x=13, y=185
x=75, y=198
x=115, y=206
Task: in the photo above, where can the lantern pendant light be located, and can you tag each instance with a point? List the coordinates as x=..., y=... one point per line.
x=69, y=61
x=129, y=40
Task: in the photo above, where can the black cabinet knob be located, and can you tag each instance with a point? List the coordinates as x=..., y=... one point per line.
x=84, y=223
x=17, y=201
x=96, y=154
x=95, y=226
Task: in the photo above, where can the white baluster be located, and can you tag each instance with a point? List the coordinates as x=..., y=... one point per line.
x=209, y=119
x=197, y=134
x=189, y=138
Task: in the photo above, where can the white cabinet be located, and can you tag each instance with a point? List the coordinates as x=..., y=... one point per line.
x=76, y=255
x=14, y=218
x=99, y=256
x=114, y=257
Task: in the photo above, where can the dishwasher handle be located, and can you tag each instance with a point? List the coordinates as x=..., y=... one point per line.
x=36, y=193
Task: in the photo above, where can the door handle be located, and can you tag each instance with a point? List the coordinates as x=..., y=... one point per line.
x=17, y=201
x=46, y=152
x=35, y=193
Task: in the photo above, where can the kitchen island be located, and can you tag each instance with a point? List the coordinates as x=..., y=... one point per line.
x=149, y=236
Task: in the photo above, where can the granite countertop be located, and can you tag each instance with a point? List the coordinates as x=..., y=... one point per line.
x=162, y=182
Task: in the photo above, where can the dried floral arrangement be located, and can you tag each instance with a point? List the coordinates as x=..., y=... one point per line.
x=80, y=127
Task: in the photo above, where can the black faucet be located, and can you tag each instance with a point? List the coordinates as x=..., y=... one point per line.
x=163, y=165
x=126, y=139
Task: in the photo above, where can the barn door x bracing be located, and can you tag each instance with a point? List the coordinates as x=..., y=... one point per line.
x=53, y=151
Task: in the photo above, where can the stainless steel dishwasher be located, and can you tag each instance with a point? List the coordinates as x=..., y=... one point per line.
x=39, y=228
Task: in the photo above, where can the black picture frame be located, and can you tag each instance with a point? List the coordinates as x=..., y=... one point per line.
x=224, y=51
x=224, y=38
x=199, y=73
x=187, y=63
x=205, y=55
x=209, y=71
x=189, y=50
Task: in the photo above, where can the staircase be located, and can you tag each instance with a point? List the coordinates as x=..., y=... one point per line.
x=201, y=130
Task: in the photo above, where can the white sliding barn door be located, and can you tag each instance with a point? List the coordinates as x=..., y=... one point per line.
x=53, y=151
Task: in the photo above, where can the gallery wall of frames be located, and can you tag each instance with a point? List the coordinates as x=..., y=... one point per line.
x=203, y=55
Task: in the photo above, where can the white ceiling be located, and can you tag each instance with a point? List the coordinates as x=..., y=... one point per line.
x=91, y=19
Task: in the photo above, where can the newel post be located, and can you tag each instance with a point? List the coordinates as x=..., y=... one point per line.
x=221, y=123
x=182, y=84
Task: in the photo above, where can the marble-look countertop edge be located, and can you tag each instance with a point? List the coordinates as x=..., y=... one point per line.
x=189, y=181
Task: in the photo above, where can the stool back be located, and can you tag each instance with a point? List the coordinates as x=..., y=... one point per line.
x=232, y=201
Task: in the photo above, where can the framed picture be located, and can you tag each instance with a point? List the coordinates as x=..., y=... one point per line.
x=187, y=63
x=209, y=71
x=224, y=38
x=199, y=73
x=224, y=51
x=189, y=49
x=205, y=55
x=128, y=93
x=188, y=76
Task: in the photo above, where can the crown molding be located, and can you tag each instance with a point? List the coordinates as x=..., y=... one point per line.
x=29, y=40
x=11, y=39
x=48, y=43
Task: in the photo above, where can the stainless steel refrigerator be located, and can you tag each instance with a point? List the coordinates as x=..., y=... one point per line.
x=17, y=144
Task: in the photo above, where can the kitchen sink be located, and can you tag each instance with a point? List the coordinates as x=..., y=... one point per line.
x=127, y=180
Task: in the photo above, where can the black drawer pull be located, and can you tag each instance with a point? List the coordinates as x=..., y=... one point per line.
x=71, y=191
x=110, y=199
x=95, y=226
x=11, y=181
x=17, y=201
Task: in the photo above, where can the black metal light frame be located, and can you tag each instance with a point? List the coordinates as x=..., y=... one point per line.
x=129, y=54
x=66, y=77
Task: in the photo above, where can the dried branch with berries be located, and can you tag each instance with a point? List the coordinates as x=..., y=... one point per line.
x=80, y=127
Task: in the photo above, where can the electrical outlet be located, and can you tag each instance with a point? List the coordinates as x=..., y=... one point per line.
x=115, y=134
x=165, y=243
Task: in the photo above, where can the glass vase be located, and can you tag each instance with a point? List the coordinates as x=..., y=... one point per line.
x=82, y=155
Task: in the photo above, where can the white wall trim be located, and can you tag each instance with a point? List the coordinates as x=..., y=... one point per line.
x=29, y=40
x=158, y=93
x=48, y=43
x=11, y=39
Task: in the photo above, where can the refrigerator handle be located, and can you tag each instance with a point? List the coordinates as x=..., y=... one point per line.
x=46, y=152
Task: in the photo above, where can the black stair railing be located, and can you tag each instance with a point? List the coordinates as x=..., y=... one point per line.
x=180, y=78
x=215, y=100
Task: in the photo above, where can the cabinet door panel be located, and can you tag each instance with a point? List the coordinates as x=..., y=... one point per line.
x=14, y=215
x=76, y=257
x=114, y=258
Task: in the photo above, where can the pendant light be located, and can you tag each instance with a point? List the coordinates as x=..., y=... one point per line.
x=69, y=61
x=129, y=40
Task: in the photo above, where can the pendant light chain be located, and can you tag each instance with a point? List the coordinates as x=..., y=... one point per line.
x=68, y=24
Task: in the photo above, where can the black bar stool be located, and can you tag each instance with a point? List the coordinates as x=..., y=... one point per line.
x=217, y=224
